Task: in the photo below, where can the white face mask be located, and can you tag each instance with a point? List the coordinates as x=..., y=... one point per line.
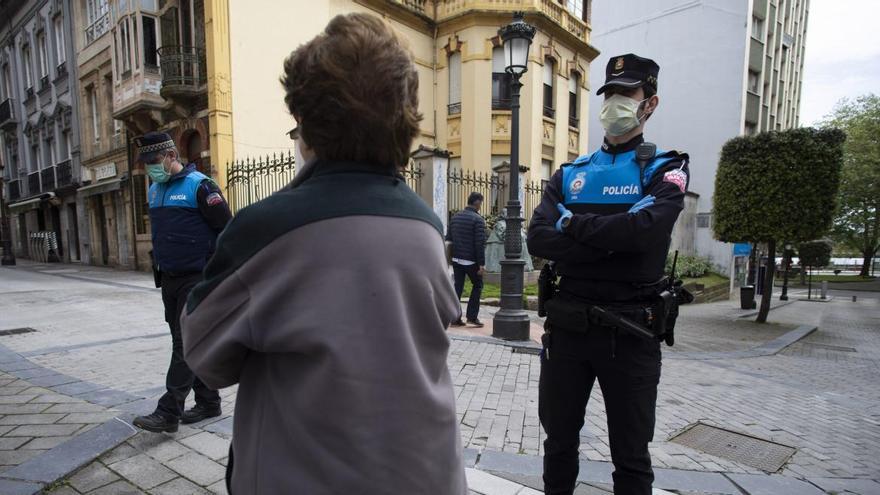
x=620, y=115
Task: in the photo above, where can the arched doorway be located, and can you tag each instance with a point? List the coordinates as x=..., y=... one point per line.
x=192, y=150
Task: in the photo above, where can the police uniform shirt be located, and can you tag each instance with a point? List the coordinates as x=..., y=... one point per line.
x=606, y=253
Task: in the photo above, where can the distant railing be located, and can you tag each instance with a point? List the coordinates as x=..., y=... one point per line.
x=14, y=190
x=33, y=184
x=65, y=173
x=7, y=112
x=250, y=180
x=413, y=175
x=182, y=66
x=97, y=28
x=533, y=192
x=461, y=183
x=417, y=6
x=47, y=179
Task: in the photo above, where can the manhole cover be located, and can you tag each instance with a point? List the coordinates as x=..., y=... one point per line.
x=16, y=331
x=755, y=452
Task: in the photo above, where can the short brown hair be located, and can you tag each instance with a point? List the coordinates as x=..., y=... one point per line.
x=354, y=89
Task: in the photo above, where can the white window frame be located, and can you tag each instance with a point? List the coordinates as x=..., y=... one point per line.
x=67, y=145
x=757, y=28
x=124, y=45
x=44, y=55
x=93, y=104
x=455, y=79
x=60, y=53
x=576, y=7
x=28, y=68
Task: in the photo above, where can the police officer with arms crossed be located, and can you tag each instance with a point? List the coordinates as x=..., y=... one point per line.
x=606, y=220
x=187, y=212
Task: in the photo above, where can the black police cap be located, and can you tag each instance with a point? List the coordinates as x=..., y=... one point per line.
x=630, y=71
x=152, y=142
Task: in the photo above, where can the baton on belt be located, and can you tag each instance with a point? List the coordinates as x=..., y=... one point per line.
x=621, y=322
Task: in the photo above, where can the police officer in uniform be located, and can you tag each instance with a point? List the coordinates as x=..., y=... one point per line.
x=605, y=220
x=187, y=212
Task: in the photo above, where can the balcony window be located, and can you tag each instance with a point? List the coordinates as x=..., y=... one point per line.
x=151, y=35
x=7, y=84
x=60, y=53
x=44, y=56
x=500, y=81
x=548, y=90
x=124, y=47
x=454, y=83
x=546, y=169
x=93, y=104
x=754, y=77
x=28, y=68
x=758, y=28
x=573, y=83
x=97, y=19
x=576, y=7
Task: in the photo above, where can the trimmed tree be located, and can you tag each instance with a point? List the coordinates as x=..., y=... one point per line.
x=777, y=187
x=857, y=223
x=814, y=254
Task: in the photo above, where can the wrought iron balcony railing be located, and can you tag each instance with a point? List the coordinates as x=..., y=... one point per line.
x=7, y=114
x=47, y=178
x=14, y=191
x=33, y=184
x=65, y=174
x=97, y=28
x=183, y=69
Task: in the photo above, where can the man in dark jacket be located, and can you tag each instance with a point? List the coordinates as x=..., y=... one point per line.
x=467, y=233
x=187, y=212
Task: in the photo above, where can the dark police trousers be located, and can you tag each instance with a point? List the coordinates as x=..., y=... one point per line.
x=628, y=380
x=472, y=272
x=180, y=379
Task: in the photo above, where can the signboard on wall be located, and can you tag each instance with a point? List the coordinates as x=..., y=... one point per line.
x=105, y=171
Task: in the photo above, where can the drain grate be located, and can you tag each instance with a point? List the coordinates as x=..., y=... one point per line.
x=751, y=451
x=16, y=331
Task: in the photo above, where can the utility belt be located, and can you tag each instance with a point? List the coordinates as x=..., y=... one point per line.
x=574, y=316
x=654, y=319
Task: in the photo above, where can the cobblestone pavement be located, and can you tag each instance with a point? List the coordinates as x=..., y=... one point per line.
x=819, y=395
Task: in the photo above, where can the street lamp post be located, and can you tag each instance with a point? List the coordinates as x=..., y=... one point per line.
x=786, y=259
x=511, y=322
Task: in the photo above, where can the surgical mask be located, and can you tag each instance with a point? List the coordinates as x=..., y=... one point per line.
x=157, y=172
x=620, y=115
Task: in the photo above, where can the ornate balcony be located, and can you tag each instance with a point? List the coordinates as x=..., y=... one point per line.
x=184, y=72
x=33, y=181
x=14, y=191
x=65, y=174
x=47, y=178
x=7, y=114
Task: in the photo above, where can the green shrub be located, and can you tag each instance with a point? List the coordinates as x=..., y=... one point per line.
x=688, y=266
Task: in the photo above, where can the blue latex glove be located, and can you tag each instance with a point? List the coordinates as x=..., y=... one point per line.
x=643, y=203
x=564, y=213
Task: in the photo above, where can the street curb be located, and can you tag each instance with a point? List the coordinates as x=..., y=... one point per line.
x=770, y=348
x=30, y=477
x=523, y=346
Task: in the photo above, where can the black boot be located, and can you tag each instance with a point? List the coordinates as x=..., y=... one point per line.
x=200, y=413
x=156, y=422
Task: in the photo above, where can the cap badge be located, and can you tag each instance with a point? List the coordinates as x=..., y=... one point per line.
x=618, y=64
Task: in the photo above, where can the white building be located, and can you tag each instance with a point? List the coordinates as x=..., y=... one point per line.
x=727, y=67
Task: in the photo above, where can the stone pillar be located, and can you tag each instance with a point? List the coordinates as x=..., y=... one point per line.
x=503, y=171
x=434, y=164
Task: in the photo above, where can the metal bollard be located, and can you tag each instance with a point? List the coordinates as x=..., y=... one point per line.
x=824, y=290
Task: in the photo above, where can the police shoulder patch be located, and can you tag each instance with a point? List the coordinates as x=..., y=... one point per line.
x=678, y=177
x=214, y=199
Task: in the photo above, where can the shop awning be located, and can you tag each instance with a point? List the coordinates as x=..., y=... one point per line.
x=99, y=188
x=29, y=204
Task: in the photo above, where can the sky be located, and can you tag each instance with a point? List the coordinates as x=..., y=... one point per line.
x=842, y=56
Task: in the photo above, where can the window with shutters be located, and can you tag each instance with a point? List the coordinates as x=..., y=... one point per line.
x=573, y=85
x=500, y=81
x=548, y=89
x=454, y=106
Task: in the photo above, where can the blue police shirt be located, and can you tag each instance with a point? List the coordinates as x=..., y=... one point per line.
x=183, y=241
x=606, y=253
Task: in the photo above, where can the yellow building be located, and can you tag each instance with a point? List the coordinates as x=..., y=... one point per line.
x=464, y=93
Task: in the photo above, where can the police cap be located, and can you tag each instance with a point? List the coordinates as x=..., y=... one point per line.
x=630, y=71
x=152, y=142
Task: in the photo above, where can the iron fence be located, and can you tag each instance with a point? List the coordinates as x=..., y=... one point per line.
x=250, y=180
x=533, y=191
x=461, y=183
x=413, y=175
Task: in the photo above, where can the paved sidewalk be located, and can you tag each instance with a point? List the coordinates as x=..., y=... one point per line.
x=101, y=333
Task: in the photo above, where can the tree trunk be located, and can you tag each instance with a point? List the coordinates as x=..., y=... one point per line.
x=866, y=264
x=768, y=282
